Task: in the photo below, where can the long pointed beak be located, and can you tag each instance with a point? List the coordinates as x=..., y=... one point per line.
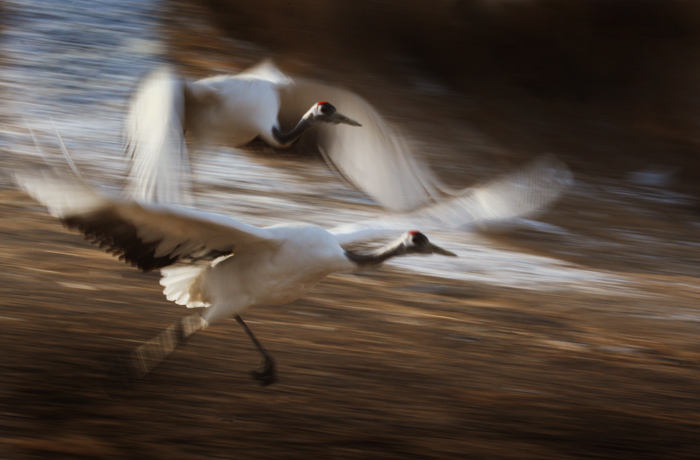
x=438, y=250
x=340, y=118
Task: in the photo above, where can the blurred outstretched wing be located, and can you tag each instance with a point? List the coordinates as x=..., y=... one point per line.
x=160, y=166
x=373, y=158
x=518, y=194
x=148, y=236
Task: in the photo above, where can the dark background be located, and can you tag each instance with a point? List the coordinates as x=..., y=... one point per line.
x=575, y=77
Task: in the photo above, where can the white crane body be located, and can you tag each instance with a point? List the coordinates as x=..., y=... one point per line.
x=302, y=256
x=218, y=104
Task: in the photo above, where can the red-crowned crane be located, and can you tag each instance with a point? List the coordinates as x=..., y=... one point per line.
x=257, y=103
x=216, y=262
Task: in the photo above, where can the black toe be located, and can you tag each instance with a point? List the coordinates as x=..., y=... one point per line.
x=268, y=375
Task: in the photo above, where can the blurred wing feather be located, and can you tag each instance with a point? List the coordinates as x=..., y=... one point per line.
x=267, y=70
x=148, y=236
x=518, y=194
x=373, y=157
x=160, y=167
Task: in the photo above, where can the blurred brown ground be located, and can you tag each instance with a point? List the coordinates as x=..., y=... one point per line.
x=382, y=365
x=393, y=364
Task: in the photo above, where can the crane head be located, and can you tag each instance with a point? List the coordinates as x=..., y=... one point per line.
x=417, y=243
x=324, y=112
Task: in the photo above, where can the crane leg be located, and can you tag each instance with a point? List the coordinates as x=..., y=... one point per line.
x=267, y=375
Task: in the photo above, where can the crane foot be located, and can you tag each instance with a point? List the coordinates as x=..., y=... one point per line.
x=267, y=375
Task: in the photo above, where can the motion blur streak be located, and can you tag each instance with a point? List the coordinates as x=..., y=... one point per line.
x=570, y=334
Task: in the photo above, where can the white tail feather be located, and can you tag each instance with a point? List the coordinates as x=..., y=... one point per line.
x=183, y=285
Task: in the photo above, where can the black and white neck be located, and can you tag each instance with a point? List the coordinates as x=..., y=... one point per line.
x=412, y=242
x=379, y=256
x=321, y=112
x=287, y=138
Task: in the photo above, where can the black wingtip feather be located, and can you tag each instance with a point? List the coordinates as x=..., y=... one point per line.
x=119, y=238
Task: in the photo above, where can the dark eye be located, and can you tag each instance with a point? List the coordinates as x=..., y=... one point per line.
x=419, y=239
x=325, y=108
